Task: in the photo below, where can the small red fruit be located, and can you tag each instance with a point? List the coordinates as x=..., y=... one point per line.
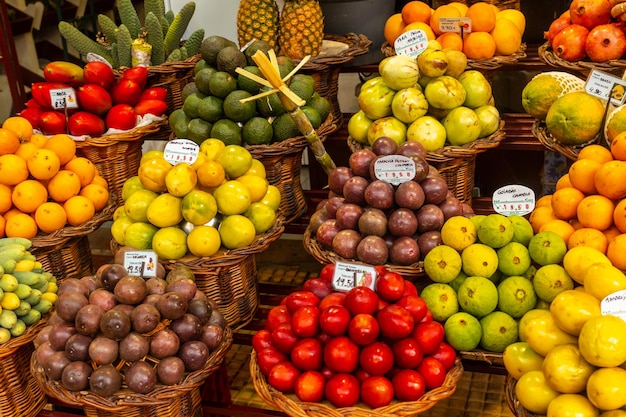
x=390, y=286
x=269, y=357
x=310, y=387
x=318, y=286
x=148, y=106
x=376, y=391
x=415, y=305
x=376, y=358
x=408, y=385
x=298, y=299
x=327, y=272
x=154, y=93
x=261, y=339
x=341, y=355
x=96, y=72
x=85, y=123
x=284, y=338
x=395, y=322
x=283, y=377
x=433, y=371
x=52, y=123
x=137, y=74
x=305, y=321
x=334, y=320
x=363, y=329
x=335, y=298
x=429, y=334
x=342, y=390
x=122, y=117
x=306, y=355
x=32, y=114
x=126, y=92
x=408, y=353
x=276, y=316
x=445, y=354
x=361, y=300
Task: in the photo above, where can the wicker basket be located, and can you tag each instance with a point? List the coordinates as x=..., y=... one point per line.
x=283, y=163
x=117, y=156
x=20, y=395
x=540, y=131
x=513, y=402
x=410, y=272
x=502, y=4
x=547, y=55
x=180, y=400
x=456, y=164
x=292, y=407
x=325, y=69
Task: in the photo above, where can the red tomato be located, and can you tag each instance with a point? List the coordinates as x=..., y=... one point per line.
x=395, y=322
x=310, y=387
x=96, y=72
x=363, y=329
x=416, y=306
x=376, y=391
x=154, y=93
x=407, y=353
x=307, y=354
x=335, y=298
x=305, y=321
x=361, y=374
x=408, y=385
x=382, y=304
x=94, y=99
x=269, y=357
x=342, y=390
x=410, y=288
x=390, y=286
x=126, y=92
x=327, y=272
x=318, y=286
x=33, y=104
x=283, y=377
x=445, y=354
x=154, y=107
x=276, y=316
x=361, y=300
x=261, y=340
x=300, y=298
x=433, y=371
x=428, y=317
x=85, y=123
x=284, y=338
x=52, y=122
x=429, y=334
x=121, y=116
x=341, y=355
x=137, y=74
x=376, y=358
x=334, y=320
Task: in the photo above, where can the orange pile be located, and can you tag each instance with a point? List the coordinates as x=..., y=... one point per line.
x=588, y=206
x=44, y=185
x=494, y=31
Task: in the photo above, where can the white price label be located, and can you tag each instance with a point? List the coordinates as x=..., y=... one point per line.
x=605, y=86
x=614, y=304
x=181, y=150
x=140, y=263
x=513, y=199
x=62, y=98
x=394, y=169
x=411, y=43
x=455, y=24
x=349, y=275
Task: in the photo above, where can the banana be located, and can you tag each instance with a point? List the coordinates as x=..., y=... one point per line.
x=21, y=240
x=28, y=277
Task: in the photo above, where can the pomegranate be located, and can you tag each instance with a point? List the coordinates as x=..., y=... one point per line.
x=590, y=13
x=605, y=42
x=556, y=26
x=569, y=43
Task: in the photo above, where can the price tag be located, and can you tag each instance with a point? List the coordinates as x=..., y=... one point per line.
x=349, y=275
x=394, y=169
x=606, y=86
x=513, y=199
x=141, y=263
x=455, y=24
x=181, y=150
x=63, y=98
x=411, y=43
x=614, y=304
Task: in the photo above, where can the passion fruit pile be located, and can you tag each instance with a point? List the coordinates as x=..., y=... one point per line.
x=114, y=332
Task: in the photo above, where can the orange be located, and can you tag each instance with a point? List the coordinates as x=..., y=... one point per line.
x=479, y=45
x=582, y=173
x=62, y=145
x=507, y=37
x=21, y=225
x=558, y=226
x=544, y=200
x=100, y=180
x=619, y=216
x=450, y=40
x=589, y=237
x=445, y=10
x=515, y=16
x=5, y=198
x=595, y=211
x=596, y=152
x=563, y=181
x=565, y=201
x=9, y=141
x=430, y=35
x=50, y=217
x=416, y=11
x=84, y=168
x=20, y=126
x=13, y=169
x=26, y=149
x=211, y=174
x=616, y=252
x=38, y=139
x=540, y=216
x=28, y=195
x=43, y=164
x=618, y=146
x=64, y=185
x=483, y=17
x=79, y=209
x=12, y=212
x=611, y=232
x=98, y=195
x=576, y=223
x=394, y=26
x=610, y=179
x=2, y=226
x=462, y=7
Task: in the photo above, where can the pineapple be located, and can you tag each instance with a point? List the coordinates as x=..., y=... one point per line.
x=257, y=19
x=301, y=30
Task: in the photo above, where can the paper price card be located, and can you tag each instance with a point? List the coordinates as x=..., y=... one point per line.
x=513, y=199
x=181, y=150
x=411, y=43
x=394, y=169
x=614, y=304
x=606, y=86
x=349, y=275
x=63, y=98
x=455, y=24
x=141, y=263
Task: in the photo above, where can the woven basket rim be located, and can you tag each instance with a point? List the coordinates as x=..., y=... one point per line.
x=28, y=336
x=293, y=407
x=127, y=398
x=168, y=67
x=358, y=44
x=323, y=256
x=539, y=129
x=547, y=55
x=129, y=136
x=511, y=399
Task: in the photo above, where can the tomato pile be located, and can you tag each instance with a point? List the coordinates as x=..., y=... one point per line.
x=372, y=346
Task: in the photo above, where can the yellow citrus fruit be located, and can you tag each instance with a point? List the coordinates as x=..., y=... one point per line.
x=98, y=195
x=180, y=179
x=515, y=16
x=602, y=341
x=236, y=232
x=64, y=185
x=21, y=225
x=211, y=174
x=272, y=198
x=204, y=241
x=9, y=142
x=211, y=147
x=506, y=36
x=579, y=258
x=63, y=146
x=79, y=210
x=5, y=198
x=50, y=217
x=152, y=174
x=28, y=195
x=43, y=164
x=256, y=185
x=84, y=168
x=20, y=126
